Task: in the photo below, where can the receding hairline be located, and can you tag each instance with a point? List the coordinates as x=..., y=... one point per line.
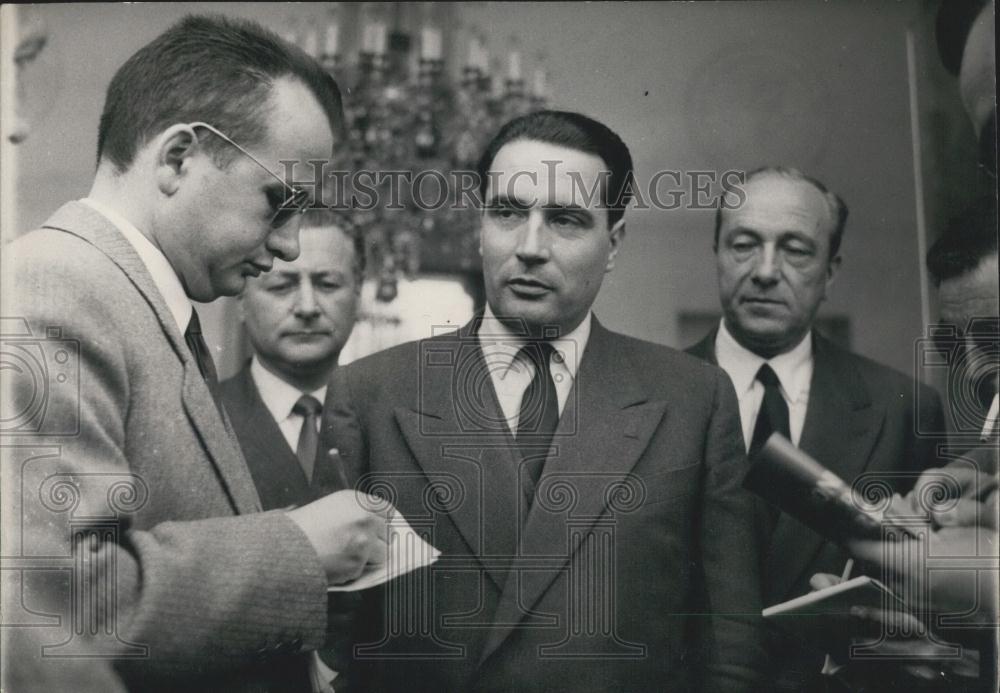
x=604, y=172
x=829, y=200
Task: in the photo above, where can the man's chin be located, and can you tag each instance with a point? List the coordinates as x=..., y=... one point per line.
x=227, y=286
x=533, y=314
x=759, y=331
x=310, y=355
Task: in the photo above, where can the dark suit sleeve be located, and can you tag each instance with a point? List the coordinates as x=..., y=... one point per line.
x=732, y=634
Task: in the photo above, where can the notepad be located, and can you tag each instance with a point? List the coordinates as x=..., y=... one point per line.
x=407, y=551
x=825, y=614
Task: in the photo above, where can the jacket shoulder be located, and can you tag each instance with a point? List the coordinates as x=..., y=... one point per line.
x=666, y=368
x=233, y=388
x=875, y=374
x=882, y=382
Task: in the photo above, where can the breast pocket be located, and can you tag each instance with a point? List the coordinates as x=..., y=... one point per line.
x=672, y=484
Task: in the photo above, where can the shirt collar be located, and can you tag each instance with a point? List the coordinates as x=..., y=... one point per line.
x=164, y=277
x=792, y=367
x=500, y=345
x=279, y=397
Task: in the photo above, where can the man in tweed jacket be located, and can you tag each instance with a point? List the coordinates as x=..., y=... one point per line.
x=133, y=536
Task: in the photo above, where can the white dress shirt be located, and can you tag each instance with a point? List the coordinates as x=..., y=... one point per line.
x=279, y=397
x=512, y=375
x=794, y=370
x=159, y=268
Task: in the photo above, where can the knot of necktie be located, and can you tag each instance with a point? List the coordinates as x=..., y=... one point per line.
x=768, y=377
x=538, y=353
x=307, y=406
x=539, y=412
x=773, y=416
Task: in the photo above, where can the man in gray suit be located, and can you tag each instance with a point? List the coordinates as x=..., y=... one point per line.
x=777, y=255
x=583, y=486
x=136, y=531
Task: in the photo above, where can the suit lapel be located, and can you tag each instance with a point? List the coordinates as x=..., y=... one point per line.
x=840, y=430
x=276, y=470
x=605, y=427
x=458, y=434
x=217, y=438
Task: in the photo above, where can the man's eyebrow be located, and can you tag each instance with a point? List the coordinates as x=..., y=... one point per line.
x=798, y=236
x=504, y=200
x=567, y=207
x=742, y=229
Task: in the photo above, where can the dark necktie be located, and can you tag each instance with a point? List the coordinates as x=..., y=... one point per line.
x=773, y=415
x=308, y=407
x=539, y=413
x=203, y=357
x=772, y=418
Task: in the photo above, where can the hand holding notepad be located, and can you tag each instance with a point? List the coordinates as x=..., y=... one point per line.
x=406, y=551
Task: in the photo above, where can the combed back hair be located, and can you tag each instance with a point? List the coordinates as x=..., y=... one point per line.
x=836, y=207
x=968, y=239
x=574, y=131
x=326, y=218
x=206, y=68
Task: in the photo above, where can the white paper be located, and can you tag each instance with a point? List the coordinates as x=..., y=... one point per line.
x=407, y=552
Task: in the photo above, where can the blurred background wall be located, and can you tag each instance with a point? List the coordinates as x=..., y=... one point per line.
x=823, y=86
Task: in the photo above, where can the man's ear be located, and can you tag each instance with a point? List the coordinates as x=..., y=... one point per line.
x=173, y=151
x=831, y=271
x=617, y=237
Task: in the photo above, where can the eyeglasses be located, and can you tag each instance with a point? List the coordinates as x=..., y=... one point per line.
x=296, y=200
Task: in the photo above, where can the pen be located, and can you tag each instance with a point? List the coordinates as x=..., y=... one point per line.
x=848, y=567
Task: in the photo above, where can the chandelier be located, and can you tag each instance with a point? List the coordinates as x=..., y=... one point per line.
x=422, y=110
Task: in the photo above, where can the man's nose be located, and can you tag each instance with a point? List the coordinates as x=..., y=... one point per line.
x=305, y=305
x=283, y=241
x=767, y=267
x=531, y=246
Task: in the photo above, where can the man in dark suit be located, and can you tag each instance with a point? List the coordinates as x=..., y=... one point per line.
x=582, y=485
x=777, y=255
x=136, y=528
x=298, y=317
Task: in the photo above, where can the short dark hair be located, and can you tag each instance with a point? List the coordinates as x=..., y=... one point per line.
x=968, y=238
x=575, y=131
x=205, y=68
x=836, y=206
x=326, y=218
